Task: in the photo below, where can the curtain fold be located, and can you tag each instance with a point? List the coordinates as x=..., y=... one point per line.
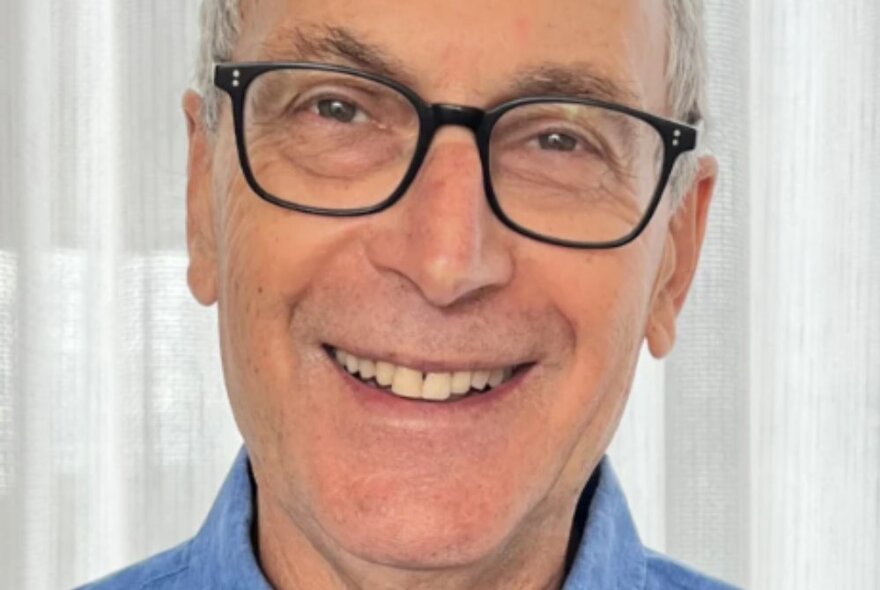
x=752, y=452
x=815, y=293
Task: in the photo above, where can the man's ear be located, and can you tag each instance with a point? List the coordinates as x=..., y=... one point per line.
x=681, y=253
x=200, y=237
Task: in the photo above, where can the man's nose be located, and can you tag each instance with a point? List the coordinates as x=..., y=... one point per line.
x=442, y=236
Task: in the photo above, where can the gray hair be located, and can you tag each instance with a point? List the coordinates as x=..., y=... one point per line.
x=686, y=69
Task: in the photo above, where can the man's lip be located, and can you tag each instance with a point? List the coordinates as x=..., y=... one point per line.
x=431, y=366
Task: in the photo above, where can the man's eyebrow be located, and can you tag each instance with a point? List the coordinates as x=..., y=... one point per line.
x=335, y=44
x=580, y=80
x=339, y=44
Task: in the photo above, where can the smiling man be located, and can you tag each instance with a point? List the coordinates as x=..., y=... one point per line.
x=437, y=234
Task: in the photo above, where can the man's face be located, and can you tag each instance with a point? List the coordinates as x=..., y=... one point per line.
x=434, y=283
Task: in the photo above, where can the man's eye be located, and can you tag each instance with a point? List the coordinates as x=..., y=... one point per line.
x=560, y=142
x=338, y=110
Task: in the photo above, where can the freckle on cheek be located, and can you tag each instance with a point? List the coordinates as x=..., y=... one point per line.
x=523, y=27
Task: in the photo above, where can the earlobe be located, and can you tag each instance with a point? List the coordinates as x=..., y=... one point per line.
x=661, y=320
x=200, y=236
x=682, y=248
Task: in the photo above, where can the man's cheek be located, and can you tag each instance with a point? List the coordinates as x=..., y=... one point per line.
x=258, y=349
x=606, y=318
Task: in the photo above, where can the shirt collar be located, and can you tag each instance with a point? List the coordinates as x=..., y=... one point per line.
x=610, y=554
x=223, y=550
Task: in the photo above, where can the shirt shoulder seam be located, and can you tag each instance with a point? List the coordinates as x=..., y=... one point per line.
x=162, y=576
x=677, y=575
x=182, y=565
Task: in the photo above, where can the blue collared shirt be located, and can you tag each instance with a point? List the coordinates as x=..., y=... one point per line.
x=221, y=555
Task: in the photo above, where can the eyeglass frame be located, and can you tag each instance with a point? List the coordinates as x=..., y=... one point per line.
x=236, y=78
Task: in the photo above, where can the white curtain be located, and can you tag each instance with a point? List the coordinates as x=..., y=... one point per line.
x=753, y=452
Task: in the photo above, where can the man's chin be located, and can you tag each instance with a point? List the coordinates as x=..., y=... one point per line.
x=427, y=531
x=410, y=546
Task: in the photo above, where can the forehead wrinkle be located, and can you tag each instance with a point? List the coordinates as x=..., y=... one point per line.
x=343, y=45
x=332, y=43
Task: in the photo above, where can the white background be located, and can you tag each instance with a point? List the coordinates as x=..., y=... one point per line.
x=753, y=452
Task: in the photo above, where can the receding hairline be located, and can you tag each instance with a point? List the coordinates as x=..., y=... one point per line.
x=241, y=9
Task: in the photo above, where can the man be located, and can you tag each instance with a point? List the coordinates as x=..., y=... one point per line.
x=437, y=234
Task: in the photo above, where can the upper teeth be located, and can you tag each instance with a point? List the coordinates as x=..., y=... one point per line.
x=414, y=384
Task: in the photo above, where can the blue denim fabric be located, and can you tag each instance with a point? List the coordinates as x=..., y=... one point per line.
x=221, y=556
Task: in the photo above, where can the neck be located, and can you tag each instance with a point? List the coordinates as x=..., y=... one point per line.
x=295, y=555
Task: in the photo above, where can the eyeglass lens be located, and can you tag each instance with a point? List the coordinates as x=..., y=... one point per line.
x=337, y=141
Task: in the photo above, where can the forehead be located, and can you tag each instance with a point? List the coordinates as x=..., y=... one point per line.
x=474, y=51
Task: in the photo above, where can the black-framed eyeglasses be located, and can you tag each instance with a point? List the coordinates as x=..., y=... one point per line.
x=331, y=140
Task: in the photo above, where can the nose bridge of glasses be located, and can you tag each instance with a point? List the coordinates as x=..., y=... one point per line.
x=460, y=115
x=454, y=115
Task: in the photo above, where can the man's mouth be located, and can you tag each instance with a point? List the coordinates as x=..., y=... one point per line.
x=413, y=384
